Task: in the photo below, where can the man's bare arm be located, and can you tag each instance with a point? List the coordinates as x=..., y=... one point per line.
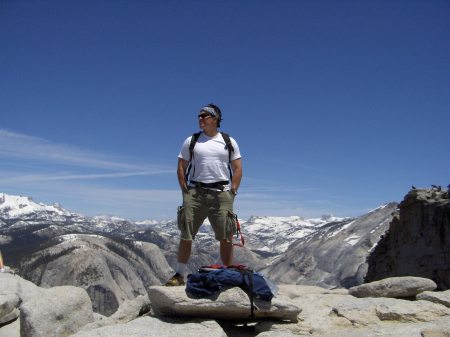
x=181, y=172
x=236, y=166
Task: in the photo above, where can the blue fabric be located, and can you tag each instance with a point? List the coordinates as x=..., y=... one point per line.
x=261, y=289
x=204, y=284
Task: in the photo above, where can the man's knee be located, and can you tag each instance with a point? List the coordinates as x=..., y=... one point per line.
x=226, y=243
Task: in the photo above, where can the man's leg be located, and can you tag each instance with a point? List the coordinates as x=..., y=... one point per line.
x=184, y=251
x=185, y=244
x=226, y=252
x=219, y=218
x=189, y=221
x=181, y=269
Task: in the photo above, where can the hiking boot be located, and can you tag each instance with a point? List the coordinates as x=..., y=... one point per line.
x=175, y=280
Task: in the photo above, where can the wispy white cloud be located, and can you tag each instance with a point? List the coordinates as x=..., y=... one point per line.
x=12, y=178
x=20, y=146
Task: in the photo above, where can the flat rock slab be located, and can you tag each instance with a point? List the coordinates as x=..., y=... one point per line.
x=293, y=291
x=440, y=297
x=11, y=330
x=151, y=326
x=368, y=311
x=13, y=284
x=394, y=287
x=57, y=312
x=232, y=304
x=436, y=332
x=9, y=304
x=278, y=333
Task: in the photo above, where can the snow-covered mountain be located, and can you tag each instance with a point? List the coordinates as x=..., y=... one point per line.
x=23, y=211
x=14, y=207
x=334, y=255
x=272, y=236
x=265, y=237
x=267, y=234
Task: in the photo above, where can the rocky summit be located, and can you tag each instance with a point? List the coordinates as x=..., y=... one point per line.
x=27, y=310
x=417, y=241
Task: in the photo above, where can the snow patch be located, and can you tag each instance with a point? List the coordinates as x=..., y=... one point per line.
x=74, y=237
x=69, y=237
x=352, y=240
x=371, y=249
x=340, y=229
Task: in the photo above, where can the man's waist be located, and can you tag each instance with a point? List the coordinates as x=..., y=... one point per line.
x=218, y=184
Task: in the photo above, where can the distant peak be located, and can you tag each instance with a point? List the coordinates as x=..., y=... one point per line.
x=16, y=205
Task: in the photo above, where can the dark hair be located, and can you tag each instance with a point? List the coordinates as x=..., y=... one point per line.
x=219, y=113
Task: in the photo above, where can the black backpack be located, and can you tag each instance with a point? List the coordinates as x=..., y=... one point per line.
x=194, y=139
x=213, y=279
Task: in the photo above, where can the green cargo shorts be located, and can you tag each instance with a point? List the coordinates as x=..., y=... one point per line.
x=201, y=203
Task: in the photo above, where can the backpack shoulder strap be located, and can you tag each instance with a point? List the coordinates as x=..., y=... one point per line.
x=247, y=284
x=194, y=139
x=228, y=145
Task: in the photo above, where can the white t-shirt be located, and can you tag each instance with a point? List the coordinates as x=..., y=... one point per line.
x=210, y=158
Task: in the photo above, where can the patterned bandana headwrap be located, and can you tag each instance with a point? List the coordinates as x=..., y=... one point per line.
x=210, y=110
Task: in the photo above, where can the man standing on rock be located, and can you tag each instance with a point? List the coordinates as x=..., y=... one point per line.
x=209, y=173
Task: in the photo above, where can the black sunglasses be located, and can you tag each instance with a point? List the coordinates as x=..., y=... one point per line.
x=205, y=115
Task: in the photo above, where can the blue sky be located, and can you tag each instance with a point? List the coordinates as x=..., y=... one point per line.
x=338, y=106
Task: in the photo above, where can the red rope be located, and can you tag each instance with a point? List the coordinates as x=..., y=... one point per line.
x=239, y=233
